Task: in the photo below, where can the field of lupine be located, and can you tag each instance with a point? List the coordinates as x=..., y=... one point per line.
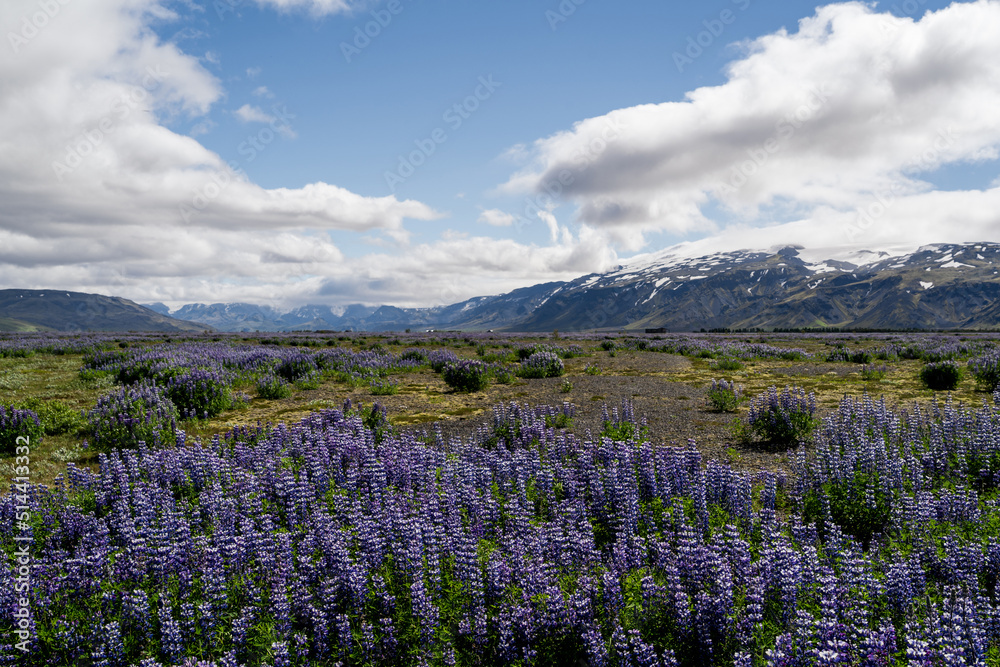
x=342, y=539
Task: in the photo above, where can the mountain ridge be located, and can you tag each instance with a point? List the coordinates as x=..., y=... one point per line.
x=929, y=288
x=24, y=310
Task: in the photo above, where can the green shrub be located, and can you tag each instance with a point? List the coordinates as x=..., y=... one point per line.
x=781, y=420
x=200, y=394
x=566, y=386
x=56, y=416
x=724, y=396
x=727, y=364
x=467, y=376
x=592, y=369
x=18, y=423
x=870, y=373
x=986, y=370
x=272, y=387
x=503, y=374
x=413, y=354
x=542, y=365
x=130, y=415
x=384, y=387
x=310, y=381
x=622, y=426
x=941, y=375
x=559, y=420
x=374, y=418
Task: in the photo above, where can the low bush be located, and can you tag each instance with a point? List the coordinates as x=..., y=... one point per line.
x=16, y=423
x=727, y=364
x=438, y=359
x=384, y=387
x=130, y=415
x=504, y=374
x=542, y=365
x=872, y=373
x=200, y=394
x=724, y=396
x=986, y=370
x=622, y=426
x=272, y=387
x=781, y=420
x=941, y=375
x=467, y=376
x=296, y=366
x=56, y=416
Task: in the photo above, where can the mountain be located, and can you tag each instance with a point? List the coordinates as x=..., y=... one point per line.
x=943, y=286
x=47, y=310
x=488, y=312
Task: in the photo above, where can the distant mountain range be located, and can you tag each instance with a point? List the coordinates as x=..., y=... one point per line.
x=24, y=310
x=944, y=286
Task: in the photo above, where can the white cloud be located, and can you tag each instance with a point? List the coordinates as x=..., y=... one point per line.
x=252, y=114
x=253, y=72
x=853, y=102
x=457, y=268
x=317, y=7
x=497, y=218
x=91, y=181
x=262, y=91
x=875, y=224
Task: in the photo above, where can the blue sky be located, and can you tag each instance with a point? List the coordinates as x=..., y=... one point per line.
x=355, y=119
x=255, y=167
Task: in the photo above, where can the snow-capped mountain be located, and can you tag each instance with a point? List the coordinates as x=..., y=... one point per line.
x=940, y=286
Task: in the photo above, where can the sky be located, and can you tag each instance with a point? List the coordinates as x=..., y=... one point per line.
x=418, y=152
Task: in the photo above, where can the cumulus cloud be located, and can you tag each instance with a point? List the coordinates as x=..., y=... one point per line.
x=852, y=103
x=252, y=114
x=497, y=218
x=317, y=7
x=90, y=177
x=457, y=268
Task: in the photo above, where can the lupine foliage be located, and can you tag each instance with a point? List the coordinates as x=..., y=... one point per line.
x=723, y=396
x=130, y=415
x=941, y=375
x=780, y=419
x=17, y=423
x=338, y=541
x=318, y=543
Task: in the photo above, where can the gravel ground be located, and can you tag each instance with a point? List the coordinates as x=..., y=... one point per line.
x=675, y=411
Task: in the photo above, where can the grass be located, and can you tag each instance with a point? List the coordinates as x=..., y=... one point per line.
x=423, y=397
